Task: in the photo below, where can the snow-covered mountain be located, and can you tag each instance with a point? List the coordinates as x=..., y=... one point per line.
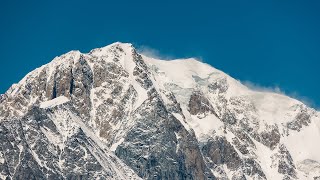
x=116, y=114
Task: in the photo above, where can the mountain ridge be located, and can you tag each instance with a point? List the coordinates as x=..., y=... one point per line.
x=180, y=119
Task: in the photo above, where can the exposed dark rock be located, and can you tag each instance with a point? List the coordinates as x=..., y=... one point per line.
x=284, y=162
x=301, y=119
x=220, y=86
x=229, y=118
x=220, y=151
x=199, y=104
x=160, y=154
x=270, y=137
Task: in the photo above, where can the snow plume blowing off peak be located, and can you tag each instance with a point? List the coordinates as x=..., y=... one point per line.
x=116, y=113
x=156, y=54
x=153, y=53
x=278, y=90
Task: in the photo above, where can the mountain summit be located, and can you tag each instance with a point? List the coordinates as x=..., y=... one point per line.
x=116, y=114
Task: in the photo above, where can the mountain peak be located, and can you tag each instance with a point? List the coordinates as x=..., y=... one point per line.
x=183, y=119
x=122, y=47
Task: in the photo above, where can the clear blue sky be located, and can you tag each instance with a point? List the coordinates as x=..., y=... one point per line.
x=270, y=43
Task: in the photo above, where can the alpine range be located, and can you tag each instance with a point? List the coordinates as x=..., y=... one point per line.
x=114, y=113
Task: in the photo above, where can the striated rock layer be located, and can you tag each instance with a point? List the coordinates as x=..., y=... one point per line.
x=116, y=114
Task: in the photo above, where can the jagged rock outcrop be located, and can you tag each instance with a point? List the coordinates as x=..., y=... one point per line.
x=199, y=104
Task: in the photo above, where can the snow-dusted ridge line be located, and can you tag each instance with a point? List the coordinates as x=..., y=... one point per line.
x=191, y=64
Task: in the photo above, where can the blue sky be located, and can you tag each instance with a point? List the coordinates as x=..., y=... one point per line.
x=269, y=44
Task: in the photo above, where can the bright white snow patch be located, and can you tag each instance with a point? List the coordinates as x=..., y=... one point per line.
x=302, y=145
x=1, y=158
x=206, y=126
x=115, y=145
x=54, y=102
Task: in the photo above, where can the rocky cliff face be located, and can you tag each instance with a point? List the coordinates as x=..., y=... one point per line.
x=115, y=114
